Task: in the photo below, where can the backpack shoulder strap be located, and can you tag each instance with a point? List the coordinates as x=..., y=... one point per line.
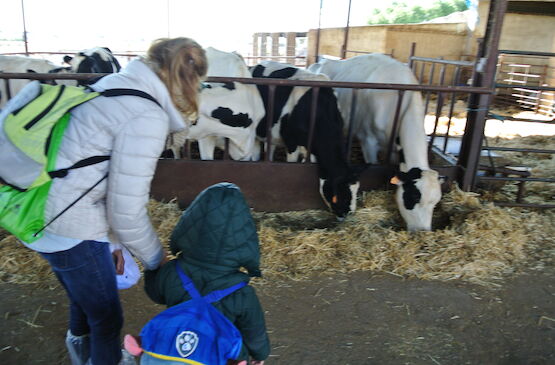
x=217, y=295
x=119, y=92
x=212, y=297
x=187, y=282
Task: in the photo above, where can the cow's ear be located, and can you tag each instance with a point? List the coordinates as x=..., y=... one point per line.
x=67, y=59
x=395, y=181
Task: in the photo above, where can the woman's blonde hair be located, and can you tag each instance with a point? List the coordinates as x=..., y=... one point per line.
x=181, y=64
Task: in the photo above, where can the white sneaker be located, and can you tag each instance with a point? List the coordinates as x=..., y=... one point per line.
x=78, y=348
x=127, y=358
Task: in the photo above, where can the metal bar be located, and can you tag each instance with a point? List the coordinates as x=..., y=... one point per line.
x=8, y=88
x=411, y=55
x=346, y=37
x=503, y=178
x=524, y=205
x=187, y=149
x=520, y=192
x=312, y=122
x=226, y=149
x=316, y=55
x=394, y=129
x=479, y=104
x=422, y=72
x=527, y=53
x=451, y=107
x=442, y=61
x=354, y=96
x=269, y=81
x=439, y=107
x=25, y=40
x=269, y=122
x=430, y=82
x=509, y=149
x=508, y=86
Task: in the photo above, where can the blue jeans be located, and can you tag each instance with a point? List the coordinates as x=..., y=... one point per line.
x=88, y=274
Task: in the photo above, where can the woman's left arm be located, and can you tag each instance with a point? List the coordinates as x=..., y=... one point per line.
x=136, y=150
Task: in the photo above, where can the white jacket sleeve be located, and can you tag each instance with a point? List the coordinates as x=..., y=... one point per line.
x=136, y=150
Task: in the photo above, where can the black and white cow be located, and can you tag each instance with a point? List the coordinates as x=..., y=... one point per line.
x=93, y=60
x=290, y=128
x=226, y=110
x=418, y=187
x=22, y=64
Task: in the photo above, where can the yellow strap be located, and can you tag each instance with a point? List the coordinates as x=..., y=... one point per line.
x=180, y=359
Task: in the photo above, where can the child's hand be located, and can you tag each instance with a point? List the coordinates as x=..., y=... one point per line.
x=119, y=261
x=256, y=362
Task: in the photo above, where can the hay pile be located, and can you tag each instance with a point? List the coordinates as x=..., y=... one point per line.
x=472, y=241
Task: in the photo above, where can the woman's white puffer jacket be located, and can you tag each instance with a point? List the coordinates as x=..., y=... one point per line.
x=132, y=130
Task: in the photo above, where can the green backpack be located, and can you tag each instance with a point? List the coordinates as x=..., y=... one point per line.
x=32, y=129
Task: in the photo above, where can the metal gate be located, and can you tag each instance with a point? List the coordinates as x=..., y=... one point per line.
x=280, y=186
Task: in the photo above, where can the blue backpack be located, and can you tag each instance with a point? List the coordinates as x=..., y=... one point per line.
x=193, y=332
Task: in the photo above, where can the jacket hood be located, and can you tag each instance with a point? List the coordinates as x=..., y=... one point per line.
x=217, y=232
x=138, y=75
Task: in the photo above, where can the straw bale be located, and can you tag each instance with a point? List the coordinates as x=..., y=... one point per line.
x=474, y=241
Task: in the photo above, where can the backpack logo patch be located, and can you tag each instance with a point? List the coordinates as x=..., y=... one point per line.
x=186, y=343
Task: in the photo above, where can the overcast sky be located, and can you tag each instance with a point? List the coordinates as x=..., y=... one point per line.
x=130, y=25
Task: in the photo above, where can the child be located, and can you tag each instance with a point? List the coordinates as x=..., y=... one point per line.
x=214, y=238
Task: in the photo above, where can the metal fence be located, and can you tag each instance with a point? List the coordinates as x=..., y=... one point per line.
x=273, y=185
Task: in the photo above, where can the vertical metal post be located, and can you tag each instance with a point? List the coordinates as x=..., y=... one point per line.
x=317, y=50
x=451, y=108
x=421, y=78
x=352, y=114
x=226, y=149
x=412, y=52
x=269, y=121
x=312, y=122
x=430, y=82
x=255, y=49
x=24, y=29
x=8, y=90
x=471, y=146
x=439, y=107
x=394, y=129
x=346, y=38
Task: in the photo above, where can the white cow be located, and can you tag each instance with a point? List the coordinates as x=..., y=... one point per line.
x=418, y=186
x=226, y=110
x=21, y=64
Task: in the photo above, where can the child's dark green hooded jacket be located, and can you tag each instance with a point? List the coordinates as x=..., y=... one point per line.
x=216, y=235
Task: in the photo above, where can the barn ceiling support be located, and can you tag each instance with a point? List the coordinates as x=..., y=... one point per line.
x=478, y=104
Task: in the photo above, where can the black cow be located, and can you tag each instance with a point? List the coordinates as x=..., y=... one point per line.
x=290, y=127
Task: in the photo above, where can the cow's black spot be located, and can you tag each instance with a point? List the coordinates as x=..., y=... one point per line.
x=229, y=85
x=226, y=116
x=411, y=194
x=284, y=73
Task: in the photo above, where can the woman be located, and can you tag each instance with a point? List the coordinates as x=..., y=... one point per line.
x=132, y=130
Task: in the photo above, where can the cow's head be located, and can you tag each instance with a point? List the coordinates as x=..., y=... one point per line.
x=94, y=60
x=340, y=193
x=418, y=192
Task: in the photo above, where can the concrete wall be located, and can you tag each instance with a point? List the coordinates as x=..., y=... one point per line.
x=434, y=39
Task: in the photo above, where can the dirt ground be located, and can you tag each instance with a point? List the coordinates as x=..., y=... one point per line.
x=359, y=318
